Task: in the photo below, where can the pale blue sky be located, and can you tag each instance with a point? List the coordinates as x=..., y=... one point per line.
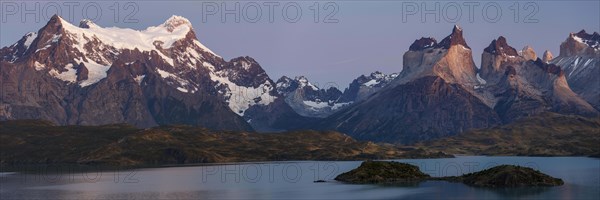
x=369, y=36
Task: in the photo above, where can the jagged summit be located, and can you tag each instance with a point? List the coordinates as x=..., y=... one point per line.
x=422, y=44
x=500, y=47
x=547, y=57
x=450, y=59
x=455, y=38
x=581, y=44
x=528, y=53
x=54, y=25
x=55, y=19
x=591, y=40
x=456, y=27
x=176, y=21
x=86, y=23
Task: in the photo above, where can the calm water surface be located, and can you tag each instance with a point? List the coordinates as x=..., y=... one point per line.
x=294, y=180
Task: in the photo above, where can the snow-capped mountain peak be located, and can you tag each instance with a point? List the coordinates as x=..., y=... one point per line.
x=59, y=46
x=376, y=79
x=86, y=23
x=308, y=99
x=592, y=40
x=305, y=83
x=176, y=21
x=167, y=59
x=581, y=44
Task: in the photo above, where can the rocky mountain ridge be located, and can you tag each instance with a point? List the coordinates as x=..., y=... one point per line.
x=440, y=93
x=309, y=100
x=580, y=60
x=146, y=78
x=90, y=75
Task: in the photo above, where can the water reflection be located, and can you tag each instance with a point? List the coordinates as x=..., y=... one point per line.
x=295, y=180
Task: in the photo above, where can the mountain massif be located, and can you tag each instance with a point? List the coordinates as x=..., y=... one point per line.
x=441, y=93
x=432, y=97
x=89, y=75
x=163, y=75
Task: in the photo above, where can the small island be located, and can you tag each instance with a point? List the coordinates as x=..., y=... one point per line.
x=380, y=172
x=509, y=176
x=503, y=176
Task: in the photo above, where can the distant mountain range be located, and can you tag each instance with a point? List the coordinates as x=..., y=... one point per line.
x=309, y=100
x=163, y=75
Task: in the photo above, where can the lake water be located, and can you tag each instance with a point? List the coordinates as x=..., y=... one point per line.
x=294, y=180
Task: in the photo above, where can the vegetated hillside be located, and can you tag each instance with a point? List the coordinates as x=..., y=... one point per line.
x=32, y=142
x=548, y=134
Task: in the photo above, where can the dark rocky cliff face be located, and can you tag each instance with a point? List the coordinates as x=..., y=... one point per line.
x=363, y=86
x=580, y=60
x=423, y=109
x=523, y=87
x=500, y=47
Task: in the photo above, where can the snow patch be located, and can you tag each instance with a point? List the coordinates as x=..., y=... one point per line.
x=246, y=65
x=481, y=80
x=578, y=39
x=43, y=48
x=55, y=38
x=371, y=83
x=96, y=72
x=38, y=66
x=139, y=79
x=340, y=105
x=315, y=104
x=69, y=76
x=587, y=62
x=208, y=66
x=240, y=98
x=575, y=65
x=168, y=75
x=465, y=48
x=182, y=89
x=163, y=73
x=320, y=105
x=30, y=38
